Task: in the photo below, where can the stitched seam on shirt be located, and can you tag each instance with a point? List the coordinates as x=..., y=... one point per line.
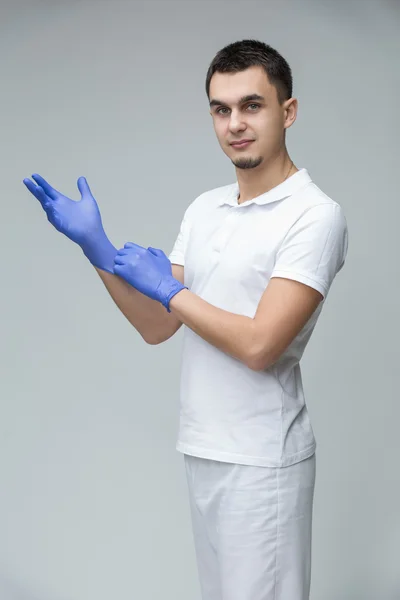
x=300, y=217
x=327, y=240
x=277, y=534
x=301, y=273
x=315, y=279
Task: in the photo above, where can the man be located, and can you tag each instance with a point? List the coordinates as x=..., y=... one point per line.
x=248, y=276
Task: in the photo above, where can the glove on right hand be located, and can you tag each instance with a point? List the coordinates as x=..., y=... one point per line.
x=79, y=220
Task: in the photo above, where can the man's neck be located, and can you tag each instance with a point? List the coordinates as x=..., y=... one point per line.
x=254, y=182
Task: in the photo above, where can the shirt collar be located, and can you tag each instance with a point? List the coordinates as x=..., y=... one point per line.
x=279, y=192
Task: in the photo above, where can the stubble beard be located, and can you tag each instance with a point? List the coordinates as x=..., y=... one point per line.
x=247, y=162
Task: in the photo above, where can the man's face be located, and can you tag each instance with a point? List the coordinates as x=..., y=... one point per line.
x=237, y=115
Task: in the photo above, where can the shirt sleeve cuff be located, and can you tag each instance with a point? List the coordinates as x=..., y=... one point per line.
x=313, y=282
x=176, y=258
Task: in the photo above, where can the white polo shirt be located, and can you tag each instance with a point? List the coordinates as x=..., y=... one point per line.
x=230, y=251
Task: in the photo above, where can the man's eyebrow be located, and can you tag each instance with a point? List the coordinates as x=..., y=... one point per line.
x=242, y=100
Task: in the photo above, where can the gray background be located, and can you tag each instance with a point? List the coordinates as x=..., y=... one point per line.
x=93, y=501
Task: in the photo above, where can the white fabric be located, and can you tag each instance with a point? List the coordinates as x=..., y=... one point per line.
x=252, y=529
x=230, y=251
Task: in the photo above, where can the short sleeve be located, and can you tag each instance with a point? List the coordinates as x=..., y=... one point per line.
x=315, y=248
x=177, y=255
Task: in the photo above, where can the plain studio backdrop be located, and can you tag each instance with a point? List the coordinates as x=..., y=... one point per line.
x=93, y=499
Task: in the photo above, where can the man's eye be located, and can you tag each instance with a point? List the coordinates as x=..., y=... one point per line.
x=218, y=111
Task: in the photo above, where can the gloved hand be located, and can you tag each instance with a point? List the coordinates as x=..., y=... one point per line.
x=79, y=220
x=149, y=271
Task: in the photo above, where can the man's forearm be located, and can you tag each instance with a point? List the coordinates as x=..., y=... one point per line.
x=231, y=333
x=148, y=316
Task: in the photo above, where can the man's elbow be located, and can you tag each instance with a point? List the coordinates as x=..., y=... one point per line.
x=259, y=359
x=258, y=365
x=160, y=337
x=152, y=341
x=155, y=341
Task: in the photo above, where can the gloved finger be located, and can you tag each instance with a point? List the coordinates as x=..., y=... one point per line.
x=117, y=269
x=83, y=187
x=38, y=192
x=156, y=251
x=133, y=245
x=49, y=190
x=119, y=260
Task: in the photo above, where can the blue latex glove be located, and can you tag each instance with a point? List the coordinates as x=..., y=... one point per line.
x=79, y=220
x=149, y=271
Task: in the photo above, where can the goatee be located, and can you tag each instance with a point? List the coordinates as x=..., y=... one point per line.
x=247, y=163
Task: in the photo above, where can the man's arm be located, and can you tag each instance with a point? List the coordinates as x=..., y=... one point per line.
x=148, y=316
x=284, y=309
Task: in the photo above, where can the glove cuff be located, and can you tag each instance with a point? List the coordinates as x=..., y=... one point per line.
x=171, y=286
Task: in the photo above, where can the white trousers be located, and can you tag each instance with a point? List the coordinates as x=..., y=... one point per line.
x=252, y=528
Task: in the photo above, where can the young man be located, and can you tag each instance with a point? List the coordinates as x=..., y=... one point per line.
x=248, y=276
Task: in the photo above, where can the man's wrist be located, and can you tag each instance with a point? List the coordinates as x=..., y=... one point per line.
x=101, y=253
x=170, y=288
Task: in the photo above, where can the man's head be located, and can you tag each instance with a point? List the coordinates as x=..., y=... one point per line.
x=249, y=88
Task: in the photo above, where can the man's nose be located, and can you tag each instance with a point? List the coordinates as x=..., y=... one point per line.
x=236, y=122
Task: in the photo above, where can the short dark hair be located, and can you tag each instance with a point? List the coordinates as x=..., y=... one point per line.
x=241, y=55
